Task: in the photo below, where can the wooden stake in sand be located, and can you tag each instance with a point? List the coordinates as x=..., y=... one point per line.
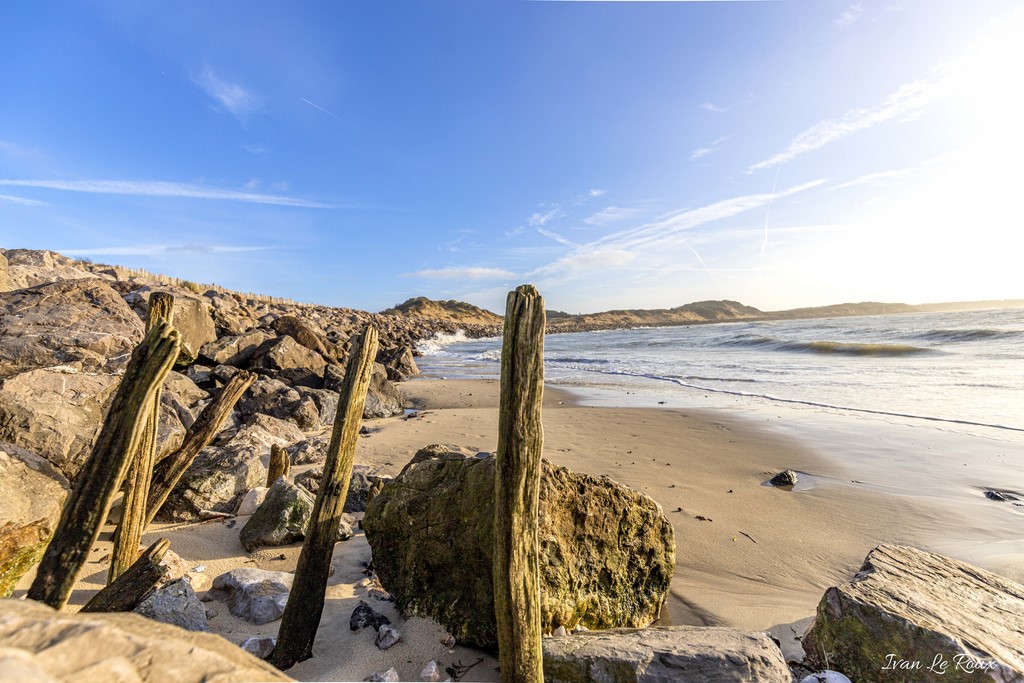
x=135, y=584
x=279, y=464
x=89, y=502
x=306, y=602
x=198, y=437
x=128, y=534
x=517, y=488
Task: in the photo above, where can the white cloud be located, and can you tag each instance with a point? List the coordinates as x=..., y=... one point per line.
x=233, y=97
x=463, y=273
x=159, y=188
x=556, y=237
x=161, y=250
x=21, y=200
x=875, y=177
x=596, y=193
x=611, y=214
x=542, y=218
x=708, y=106
x=254, y=149
x=701, y=152
x=849, y=17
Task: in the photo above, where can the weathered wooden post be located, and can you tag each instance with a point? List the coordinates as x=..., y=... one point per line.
x=87, y=507
x=306, y=602
x=198, y=437
x=517, y=488
x=129, y=530
x=135, y=584
x=279, y=464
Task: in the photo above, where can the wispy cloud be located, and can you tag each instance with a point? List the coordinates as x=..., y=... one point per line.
x=233, y=97
x=907, y=101
x=611, y=214
x=709, y=106
x=595, y=192
x=556, y=237
x=463, y=273
x=549, y=213
x=161, y=250
x=158, y=188
x=875, y=177
x=849, y=17
x=21, y=200
x=704, y=151
x=254, y=149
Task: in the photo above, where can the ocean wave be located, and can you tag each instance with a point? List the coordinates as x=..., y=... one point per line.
x=493, y=355
x=824, y=347
x=967, y=335
x=577, y=360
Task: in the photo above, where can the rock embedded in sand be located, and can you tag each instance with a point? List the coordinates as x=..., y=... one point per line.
x=607, y=553
x=256, y=595
x=388, y=675
x=259, y=646
x=364, y=615
x=387, y=637
x=785, y=478
x=176, y=603
x=216, y=481
x=431, y=671
x=908, y=606
x=383, y=399
x=281, y=518
x=665, y=653
x=99, y=648
x=252, y=501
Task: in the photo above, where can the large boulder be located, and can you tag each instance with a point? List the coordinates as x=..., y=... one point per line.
x=215, y=482
x=667, y=653
x=607, y=553
x=256, y=595
x=383, y=399
x=31, y=267
x=302, y=332
x=34, y=494
x=193, y=322
x=55, y=413
x=84, y=323
x=399, y=363
x=280, y=519
x=910, y=615
x=236, y=350
x=287, y=360
x=48, y=645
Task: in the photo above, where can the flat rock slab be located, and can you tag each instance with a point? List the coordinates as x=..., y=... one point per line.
x=663, y=654
x=99, y=648
x=910, y=615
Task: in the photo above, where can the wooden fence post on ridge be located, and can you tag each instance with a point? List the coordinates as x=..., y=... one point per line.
x=517, y=487
x=301, y=616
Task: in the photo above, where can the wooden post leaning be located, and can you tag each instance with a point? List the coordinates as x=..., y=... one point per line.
x=306, y=602
x=86, y=508
x=129, y=530
x=198, y=437
x=279, y=464
x=516, y=569
x=135, y=584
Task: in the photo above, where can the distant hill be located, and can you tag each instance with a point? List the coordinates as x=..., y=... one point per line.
x=840, y=310
x=454, y=311
x=698, y=312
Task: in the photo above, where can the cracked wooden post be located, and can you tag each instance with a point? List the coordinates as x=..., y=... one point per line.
x=516, y=570
x=135, y=584
x=86, y=508
x=198, y=437
x=128, y=534
x=279, y=464
x=306, y=602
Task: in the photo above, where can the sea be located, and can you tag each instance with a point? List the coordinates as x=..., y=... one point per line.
x=922, y=405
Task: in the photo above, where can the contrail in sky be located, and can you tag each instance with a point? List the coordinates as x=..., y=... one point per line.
x=317, y=106
x=767, y=212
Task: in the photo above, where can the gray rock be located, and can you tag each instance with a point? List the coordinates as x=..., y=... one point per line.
x=785, y=478
x=387, y=675
x=383, y=399
x=431, y=671
x=260, y=646
x=31, y=268
x=236, y=350
x=216, y=481
x=34, y=493
x=263, y=431
x=361, y=487
x=825, y=677
x=607, y=553
x=665, y=653
x=302, y=332
x=399, y=363
x=287, y=360
x=311, y=451
x=256, y=595
x=273, y=397
x=55, y=414
x=176, y=603
x=326, y=403
x=364, y=615
x=914, y=606
x=387, y=637
x=100, y=648
x=281, y=518
x=80, y=323
x=252, y=501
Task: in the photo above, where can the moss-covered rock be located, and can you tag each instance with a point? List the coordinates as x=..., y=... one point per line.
x=607, y=553
x=910, y=616
x=282, y=518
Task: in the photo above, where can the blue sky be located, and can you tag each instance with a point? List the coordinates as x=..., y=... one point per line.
x=616, y=154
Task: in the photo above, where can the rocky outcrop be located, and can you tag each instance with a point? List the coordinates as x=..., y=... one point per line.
x=45, y=645
x=5, y=277
x=383, y=399
x=33, y=495
x=30, y=268
x=287, y=360
x=667, y=653
x=607, y=553
x=280, y=519
x=302, y=332
x=215, y=482
x=910, y=615
x=399, y=363
x=236, y=350
x=56, y=414
x=81, y=323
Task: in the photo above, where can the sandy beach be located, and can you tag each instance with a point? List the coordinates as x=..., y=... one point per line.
x=760, y=559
